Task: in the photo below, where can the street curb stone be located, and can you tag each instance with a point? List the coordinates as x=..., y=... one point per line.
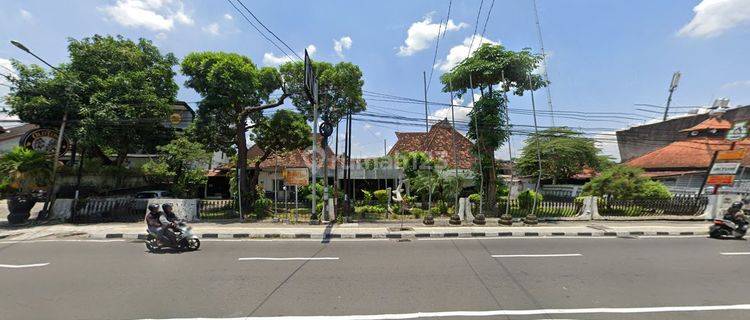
x=437, y=235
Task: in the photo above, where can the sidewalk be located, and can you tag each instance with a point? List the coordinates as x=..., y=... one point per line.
x=208, y=230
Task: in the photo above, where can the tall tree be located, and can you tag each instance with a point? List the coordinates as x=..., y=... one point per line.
x=233, y=90
x=339, y=89
x=283, y=132
x=118, y=92
x=181, y=164
x=485, y=70
x=564, y=153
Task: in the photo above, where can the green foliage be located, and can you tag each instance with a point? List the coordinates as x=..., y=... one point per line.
x=339, y=89
x=426, y=183
x=283, y=132
x=24, y=170
x=475, y=198
x=564, y=153
x=359, y=210
x=419, y=213
x=526, y=199
x=181, y=164
x=311, y=191
x=261, y=206
x=118, y=93
x=414, y=162
x=623, y=182
x=367, y=196
x=381, y=196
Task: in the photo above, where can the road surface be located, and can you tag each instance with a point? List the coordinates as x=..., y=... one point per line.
x=542, y=278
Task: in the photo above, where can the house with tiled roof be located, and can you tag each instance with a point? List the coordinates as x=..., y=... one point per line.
x=682, y=165
x=441, y=142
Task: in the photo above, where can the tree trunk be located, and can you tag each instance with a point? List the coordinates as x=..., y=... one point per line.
x=255, y=177
x=122, y=155
x=491, y=187
x=97, y=152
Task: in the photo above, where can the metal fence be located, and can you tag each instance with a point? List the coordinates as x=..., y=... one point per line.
x=551, y=206
x=681, y=205
x=110, y=210
x=218, y=209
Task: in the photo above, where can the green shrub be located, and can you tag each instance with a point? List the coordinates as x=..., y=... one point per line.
x=261, y=206
x=418, y=213
x=526, y=199
x=579, y=200
x=369, y=209
x=475, y=198
x=367, y=196
x=381, y=196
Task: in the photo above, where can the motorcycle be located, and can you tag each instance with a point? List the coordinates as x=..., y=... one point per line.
x=184, y=240
x=726, y=227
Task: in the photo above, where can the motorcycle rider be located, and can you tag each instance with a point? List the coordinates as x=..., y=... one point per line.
x=169, y=212
x=735, y=214
x=157, y=223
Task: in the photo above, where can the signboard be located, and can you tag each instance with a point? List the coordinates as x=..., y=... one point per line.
x=44, y=140
x=720, y=180
x=175, y=118
x=311, y=82
x=738, y=131
x=296, y=177
x=725, y=168
x=731, y=155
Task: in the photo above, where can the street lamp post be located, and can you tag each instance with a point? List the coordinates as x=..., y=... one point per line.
x=51, y=188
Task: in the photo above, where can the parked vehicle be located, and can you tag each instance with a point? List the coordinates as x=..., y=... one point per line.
x=152, y=194
x=184, y=240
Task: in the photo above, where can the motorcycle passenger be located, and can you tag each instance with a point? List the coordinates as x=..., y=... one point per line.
x=735, y=214
x=157, y=223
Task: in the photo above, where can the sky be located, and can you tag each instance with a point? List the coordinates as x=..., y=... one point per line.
x=602, y=56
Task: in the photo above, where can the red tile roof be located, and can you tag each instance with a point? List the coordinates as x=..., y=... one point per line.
x=710, y=123
x=295, y=159
x=686, y=154
x=16, y=132
x=438, y=143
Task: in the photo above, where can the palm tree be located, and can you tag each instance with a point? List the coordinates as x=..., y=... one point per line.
x=428, y=182
x=23, y=171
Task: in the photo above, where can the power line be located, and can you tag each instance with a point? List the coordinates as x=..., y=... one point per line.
x=269, y=30
x=476, y=24
x=486, y=20
x=258, y=30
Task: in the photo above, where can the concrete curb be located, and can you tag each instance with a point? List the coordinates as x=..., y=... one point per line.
x=415, y=235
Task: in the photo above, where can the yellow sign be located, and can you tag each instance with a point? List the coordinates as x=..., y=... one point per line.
x=175, y=118
x=296, y=177
x=731, y=155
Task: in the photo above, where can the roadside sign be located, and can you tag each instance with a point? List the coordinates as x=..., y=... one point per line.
x=731, y=155
x=311, y=82
x=725, y=168
x=738, y=131
x=720, y=180
x=44, y=140
x=296, y=177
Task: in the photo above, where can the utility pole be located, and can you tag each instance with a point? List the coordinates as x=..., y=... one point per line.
x=672, y=86
x=426, y=112
x=544, y=63
x=476, y=128
x=453, y=141
x=314, y=214
x=56, y=158
x=531, y=218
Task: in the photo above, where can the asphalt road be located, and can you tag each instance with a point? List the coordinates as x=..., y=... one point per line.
x=120, y=280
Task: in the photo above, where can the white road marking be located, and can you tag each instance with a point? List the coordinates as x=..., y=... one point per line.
x=735, y=253
x=286, y=259
x=494, y=313
x=537, y=255
x=19, y=266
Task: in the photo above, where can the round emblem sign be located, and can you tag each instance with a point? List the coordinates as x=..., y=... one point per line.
x=44, y=140
x=175, y=118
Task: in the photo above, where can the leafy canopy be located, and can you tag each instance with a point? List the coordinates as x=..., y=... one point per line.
x=283, y=132
x=181, y=164
x=24, y=170
x=564, y=153
x=623, y=182
x=339, y=89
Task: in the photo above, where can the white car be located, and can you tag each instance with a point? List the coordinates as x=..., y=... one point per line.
x=152, y=194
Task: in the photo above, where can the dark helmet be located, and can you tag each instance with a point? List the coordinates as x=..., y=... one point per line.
x=153, y=207
x=166, y=206
x=736, y=206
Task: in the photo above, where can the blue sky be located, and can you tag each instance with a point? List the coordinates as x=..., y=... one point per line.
x=603, y=56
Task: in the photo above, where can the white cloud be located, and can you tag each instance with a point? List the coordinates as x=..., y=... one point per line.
x=607, y=142
x=340, y=45
x=25, y=14
x=714, y=17
x=161, y=36
x=737, y=84
x=422, y=33
x=228, y=16
x=270, y=59
x=156, y=15
x=212, y=29
x=5, y=63
x=367, y=126
x=460, y=111
x=461, y=51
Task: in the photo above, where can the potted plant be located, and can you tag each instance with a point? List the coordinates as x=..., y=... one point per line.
x=23, y=172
